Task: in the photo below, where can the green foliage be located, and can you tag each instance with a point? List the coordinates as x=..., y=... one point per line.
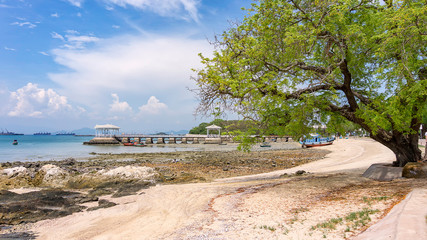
x=360, y=218
x=330, y=224
x=201, y=129
x=424, y=114
x=228, y=127
x=291, y=65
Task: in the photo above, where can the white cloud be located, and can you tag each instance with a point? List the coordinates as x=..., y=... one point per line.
x=73, y=40
x=44, y=53
x=57, y=36
x=77, y=3
x=23, y=24
x=186, y=9
x=83, y=39
x=72, y=32
x=56, y=15
x=32, y=101
x=115, y=26
x=9, y=49
x=153, y=106
x=118, y=106
x=131, y=65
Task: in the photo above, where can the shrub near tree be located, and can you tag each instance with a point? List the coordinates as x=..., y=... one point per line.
x=295, y=63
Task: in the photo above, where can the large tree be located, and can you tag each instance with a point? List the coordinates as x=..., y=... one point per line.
x=294, y=63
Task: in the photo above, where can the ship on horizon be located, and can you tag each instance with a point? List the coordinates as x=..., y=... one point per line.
x=65, y=134
x=9, y=133
x=42, y=133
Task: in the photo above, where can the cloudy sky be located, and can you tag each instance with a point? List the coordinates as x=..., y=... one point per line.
x=69, y=64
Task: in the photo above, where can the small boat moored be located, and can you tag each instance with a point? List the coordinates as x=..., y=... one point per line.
x=316, y=141
x=15, y=142
x=265, y=144
x=139, y=145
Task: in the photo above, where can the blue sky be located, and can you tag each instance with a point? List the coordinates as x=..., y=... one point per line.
x=69, y=64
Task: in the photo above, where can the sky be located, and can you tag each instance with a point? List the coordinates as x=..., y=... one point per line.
x=71, y=64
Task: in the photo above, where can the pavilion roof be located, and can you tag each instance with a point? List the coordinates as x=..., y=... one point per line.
x=106, y=126
x=213, y=127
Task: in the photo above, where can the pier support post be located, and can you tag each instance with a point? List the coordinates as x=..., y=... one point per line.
x=172, y=140
x=195, y=140
x=148, y=141
x=183, y=140
x=160, y=140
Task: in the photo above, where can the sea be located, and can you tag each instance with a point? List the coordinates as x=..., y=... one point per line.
x=60, y=147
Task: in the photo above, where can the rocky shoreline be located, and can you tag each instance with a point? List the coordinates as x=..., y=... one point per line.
x=33, y=191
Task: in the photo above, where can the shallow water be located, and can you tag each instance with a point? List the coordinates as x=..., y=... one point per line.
x=43, y=147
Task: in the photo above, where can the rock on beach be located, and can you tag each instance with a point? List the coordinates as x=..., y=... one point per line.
x=15, y=171
x=145, y=173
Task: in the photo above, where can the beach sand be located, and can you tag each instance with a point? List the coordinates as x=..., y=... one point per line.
x=264, y=206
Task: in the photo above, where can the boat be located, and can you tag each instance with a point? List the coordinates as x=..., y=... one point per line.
x=316, y=141
x=65, y=134
x=9, y=133
x=265, y=144
x=139, y=145
x=42, y=133
x=15, y=142
x=128, y=144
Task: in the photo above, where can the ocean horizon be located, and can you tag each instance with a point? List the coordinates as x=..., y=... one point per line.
x=60, y=147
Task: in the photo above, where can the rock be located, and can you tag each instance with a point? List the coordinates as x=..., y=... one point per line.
x=16, y=171
x=383, y=172
x=102, y=204
x=415, y=170
x=52, y=171
x=36, y=205
x=69, y=161
x=53, y=175
x=135, y=172
x=300, y=172
x=85, y=199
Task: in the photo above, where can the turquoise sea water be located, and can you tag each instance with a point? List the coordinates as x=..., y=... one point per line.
x=42, y=147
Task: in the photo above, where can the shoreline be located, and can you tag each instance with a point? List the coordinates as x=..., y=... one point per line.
x=271, y=204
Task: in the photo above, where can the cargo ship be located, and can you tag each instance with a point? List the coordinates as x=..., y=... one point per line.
x=10, y=133
x=42, y=133
x=66, y=134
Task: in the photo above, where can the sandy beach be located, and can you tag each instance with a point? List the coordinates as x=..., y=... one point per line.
x=319, y=204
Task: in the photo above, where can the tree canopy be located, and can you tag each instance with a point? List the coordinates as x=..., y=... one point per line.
x=228, y=126
x=296, y=63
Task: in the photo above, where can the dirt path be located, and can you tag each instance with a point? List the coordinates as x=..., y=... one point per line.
x=261, y=206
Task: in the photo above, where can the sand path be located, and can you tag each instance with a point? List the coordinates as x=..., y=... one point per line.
x=205, y=210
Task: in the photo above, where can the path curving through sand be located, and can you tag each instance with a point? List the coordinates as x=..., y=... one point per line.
x=208, y=210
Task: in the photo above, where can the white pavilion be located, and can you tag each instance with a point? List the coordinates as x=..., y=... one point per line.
x=106, y=131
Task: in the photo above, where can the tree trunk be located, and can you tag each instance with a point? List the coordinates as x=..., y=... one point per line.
x=425, y=151
x=404, y=147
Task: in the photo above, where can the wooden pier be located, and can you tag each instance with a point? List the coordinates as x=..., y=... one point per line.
x=172, y=139
x=109, y=134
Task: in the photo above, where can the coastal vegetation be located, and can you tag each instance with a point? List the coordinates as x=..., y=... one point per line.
x=228, y=126
x=291, y=65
